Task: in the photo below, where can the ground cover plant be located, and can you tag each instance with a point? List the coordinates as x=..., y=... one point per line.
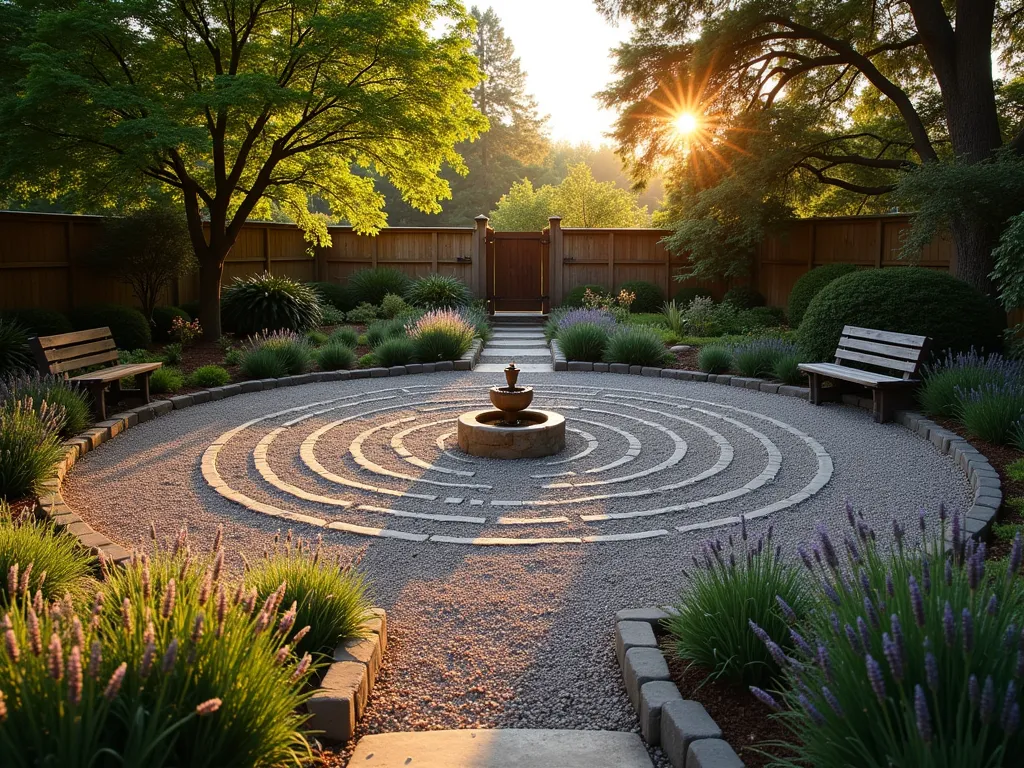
x=955, y=374
x=757, y=358
x=345, y=335
x=208, y=376
x=166, y=380
x=714, y=358
x=269, y=302
x=396, y=350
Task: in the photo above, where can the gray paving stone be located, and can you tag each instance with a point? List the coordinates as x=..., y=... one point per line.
x=202, y=396
x=642, y=666
x=653, y=696
x=648, y=370
x=254, y=385
x=985, y=514
x=561, y=365
x=989, y=499
x=741, y=381
x=429, y=367
x=601, y=367
x=770, y=387
x=682, y=723
x=360, y=373
x=463, y=365
x=653, y=616
x=397, y=370
x=618, y=367
x=698, y=376
x=378, y=373
x=144, y=412
x=791, y=391
x=162, y=407
x=712, y=753
x=579, y=365
x=636, y=370
x=632, y=634
x=178, y=402
x=722, y=378
x=414, y=368
x=669, y=373
x=444, y=365
x=269, y=383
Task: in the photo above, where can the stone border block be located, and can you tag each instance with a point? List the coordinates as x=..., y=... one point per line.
x=632, y=634
x=712, y=753
x=642, y=665
x=683, y=723
x=653, y=696
x=580, y=366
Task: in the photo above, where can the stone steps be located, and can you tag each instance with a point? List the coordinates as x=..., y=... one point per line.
x=522, y=341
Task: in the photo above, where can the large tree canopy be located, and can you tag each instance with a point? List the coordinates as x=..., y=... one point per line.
x=235, y=107
x=824, y=107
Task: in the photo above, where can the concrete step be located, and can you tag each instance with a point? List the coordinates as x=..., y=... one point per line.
x=526, y=748
x=524, y=367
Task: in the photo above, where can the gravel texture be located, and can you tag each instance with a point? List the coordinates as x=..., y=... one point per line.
x=512, y=636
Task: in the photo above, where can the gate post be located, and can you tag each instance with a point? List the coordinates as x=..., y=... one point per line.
x=555, y=253
x=478, y=273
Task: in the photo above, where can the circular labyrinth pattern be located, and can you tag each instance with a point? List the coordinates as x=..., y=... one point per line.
x=636, y=465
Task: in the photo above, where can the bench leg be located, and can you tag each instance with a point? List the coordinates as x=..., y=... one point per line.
x=144, y=381
x=99, y=399
x=815, y=389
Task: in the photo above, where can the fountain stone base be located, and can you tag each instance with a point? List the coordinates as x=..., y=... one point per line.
x=536, y=433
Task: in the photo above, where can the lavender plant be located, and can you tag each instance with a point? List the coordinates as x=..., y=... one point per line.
x=726, y=590
x=1017, y=434
x=599, y=317
x=990, y=410
x=962, y=372
x=53, y=390
x=584, y=341
x=757, y=358
x=913, y=659
x=29, y=446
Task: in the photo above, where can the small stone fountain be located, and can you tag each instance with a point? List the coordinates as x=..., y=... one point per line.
x=512, y=431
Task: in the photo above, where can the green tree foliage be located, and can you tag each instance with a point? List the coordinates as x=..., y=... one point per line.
x=809, y=107
x=236, y=109
x=579, y=199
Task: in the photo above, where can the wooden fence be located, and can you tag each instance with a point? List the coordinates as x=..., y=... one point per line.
x=42, y=256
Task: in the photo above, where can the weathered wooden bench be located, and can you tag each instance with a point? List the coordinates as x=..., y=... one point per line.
x=902, y=353
x=67, y=352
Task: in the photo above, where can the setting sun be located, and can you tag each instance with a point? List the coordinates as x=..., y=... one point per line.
x=685, y=123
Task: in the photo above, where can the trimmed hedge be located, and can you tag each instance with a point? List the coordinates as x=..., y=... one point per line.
x=574, y=298
x=810, y=285
x=129, y=327
x=904, y=300
x=40, y=322
x=649, y=297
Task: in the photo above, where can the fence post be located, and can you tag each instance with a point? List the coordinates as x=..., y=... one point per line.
x=555, y=255
x=611, y=262
x=266, y=250
x=478, y=273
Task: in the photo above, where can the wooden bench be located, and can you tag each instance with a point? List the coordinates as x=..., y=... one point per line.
x=901, y=353
x=66, y=352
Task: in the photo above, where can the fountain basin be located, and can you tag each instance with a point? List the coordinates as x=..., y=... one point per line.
x=511, y=399
x=537, y=433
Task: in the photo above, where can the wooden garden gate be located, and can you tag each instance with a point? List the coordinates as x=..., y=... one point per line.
x=517, y=271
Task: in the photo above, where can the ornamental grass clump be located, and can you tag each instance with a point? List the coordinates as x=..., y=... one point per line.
x=270, y=303
x=961, y=372
x=397, y=350
x=990, y=410
x=912, y=658
x=330, y=597
x=583, y=341
x=439, y=292
x=56, y=391
x=346, y=335
x=728, y=588
x=599, y=317
x=637, y=345
x=714, y=358
x=335, y=356
x=757, y=358
x=442, y=334
x=30, y=446
x=787, y=369
x=288, y=347
x=380, y=331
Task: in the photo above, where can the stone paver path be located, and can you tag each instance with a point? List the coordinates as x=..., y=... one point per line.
x=516, y=341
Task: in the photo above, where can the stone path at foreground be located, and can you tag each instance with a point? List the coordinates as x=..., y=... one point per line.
x=492, y=627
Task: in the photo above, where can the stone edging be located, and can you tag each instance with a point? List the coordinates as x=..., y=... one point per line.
x=984, y=479
x=686, y=733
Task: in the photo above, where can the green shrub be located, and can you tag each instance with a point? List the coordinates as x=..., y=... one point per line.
x=714, y=358
x=364, y=313
x=173, y=354
x=397, y=350
x=810, y=284
x=656, y=319
x=702, y=317
x=162, y=319
x=29, y=446
x=316, y=338
x=574, y=298
x=674, y=317
x=209, y=376
x=439, y=292
x=757, y=358
x=330, y=600
x=687, y=293
x=636, y=345
x=441, y=334
x=743, y=297
x=1017, y=434
x=991, y=410
x=287, y=346
x=335, y=295
x=367, y=361
x=335, y=356
x=649, y=297
x=40, y=322
x=380, y=331
x=952, y=376
x=166, y=380
x=911, y=300
x=263, y=363
x=190, y=308
x=392, y=306
x=372, y=285
x=331, y=316
x=233, y=356
x=476, y=315
x=71, y=403
x=270, y=303
x=583, y=341
x=345, y=335
x=787, y=370
x=728, y=590
x=46, y=559
x=759, y=317
x=129, y=327
x=913, y=658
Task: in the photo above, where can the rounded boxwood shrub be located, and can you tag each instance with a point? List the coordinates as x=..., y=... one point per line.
x=163, y=317
x=190, y=308
x=637, y=345
x=270, y=303
x=129, y=327
x=810, y=284
x=40, y=322
x=14, y=352
x=688, y=293
x=335, y=356
x=574, y=298
x=397, y=350
x=905, y=300
x=372, y=285
x=649, y=297
x=335, y=294
x=209, y=376
x=583, y=341
x=744, y=297
x=439, y=292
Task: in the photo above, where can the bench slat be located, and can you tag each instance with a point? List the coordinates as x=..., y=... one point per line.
x=885, y=350
x=855, y=375
x=77, y=337
x=882, y=362
x=117, y=372
x=889, y=337
x=62, y=354
x=84, y=362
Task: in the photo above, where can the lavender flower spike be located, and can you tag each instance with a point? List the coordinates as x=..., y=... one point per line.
x=854, y=641
x=1011, y=719
x=988, y=700
x=967, y=624
x=833, y=702
x=802, y=551
x=758, y=632
x=926, y=575
x=865, y=633
x=765, y=698
x=825, y=661
x=875, y=677
x=800, y=643
x=1008, y=701
x=948, y=627
x=916, y=601
x=924, y=720
x=816, y=717
x=993, y=606
x=973, y=691
x=949, y=573
x=776, y=653
x=1016, y=557
x=828, y=550
x=931, y=671
x=869, y=607
x=787, y=611
x=892, y=655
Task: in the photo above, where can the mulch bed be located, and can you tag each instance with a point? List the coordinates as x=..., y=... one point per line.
x=744, y=720
x=686, y=361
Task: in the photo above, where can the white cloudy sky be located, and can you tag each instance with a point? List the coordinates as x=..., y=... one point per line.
x=565, y=47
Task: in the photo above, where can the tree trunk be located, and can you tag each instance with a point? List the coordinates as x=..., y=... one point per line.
x=974, y=240
x=211, y=269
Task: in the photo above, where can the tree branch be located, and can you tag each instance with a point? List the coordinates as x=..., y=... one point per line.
x=860, y=189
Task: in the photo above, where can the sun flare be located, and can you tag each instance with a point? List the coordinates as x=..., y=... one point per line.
x=685, y=123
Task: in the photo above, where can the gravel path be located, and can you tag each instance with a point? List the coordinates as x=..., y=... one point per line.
x=509, y=636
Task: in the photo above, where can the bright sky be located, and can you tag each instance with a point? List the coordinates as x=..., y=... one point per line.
x=565, y=48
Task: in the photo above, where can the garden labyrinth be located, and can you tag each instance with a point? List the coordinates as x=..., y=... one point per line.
x=637, y=464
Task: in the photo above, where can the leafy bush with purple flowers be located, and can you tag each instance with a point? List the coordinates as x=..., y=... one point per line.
x=990, y=410
x=962, y=372
x=913, y=659
x=599, y=317
x=727, y=588
x=757, y=358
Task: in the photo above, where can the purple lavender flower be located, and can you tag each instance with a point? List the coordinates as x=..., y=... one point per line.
x=776, y=653
x=758, y=632
x=949, y=573
x=833, y=702
x=816, y=717
x=854, y=641
x=993, y=606
x=800, y=643
x=851, y=547
x=869, y=607
x=988, y=700
x=765, y=698
x=1008, y=701
x=600, y=317
x=931, y=671
x=787, y=611
x=849, y=515
x=825, y=661
x=802, y=551
x=892, y=655
x=924, y=720
x=865, y=633
x=817, y=553
x=948, y=625
x=864, y=583
x=916, y=601
x=973, y=571
x=942, y=511
x=1011, y=719
x=830, y=592
x=897, y=636
x=897, y=532
x=926, y=575
x=973, y=692
x=967, y=624
x=890, y=588
x=1016, y=556
x=834, y=620
x=826, y=546
x=875, y=677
